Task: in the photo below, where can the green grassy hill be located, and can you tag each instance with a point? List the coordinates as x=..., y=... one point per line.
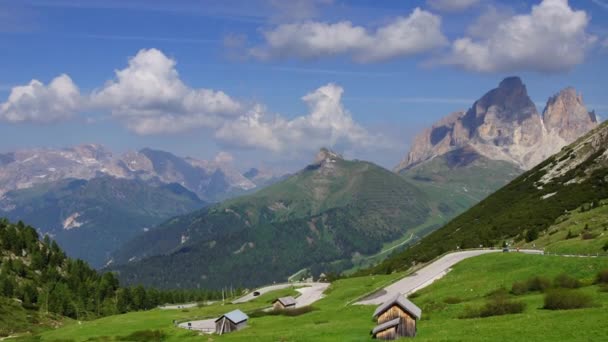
x=583, y=230
x=318, y=219
x=524, y=209
x=459, y=179
x=471, y=283
x=90, y=219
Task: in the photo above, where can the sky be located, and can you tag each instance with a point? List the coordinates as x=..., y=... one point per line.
x=269, y=82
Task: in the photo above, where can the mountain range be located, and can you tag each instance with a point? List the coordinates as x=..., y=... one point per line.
x=318, y=218
x=209, y=180
x=573, y=179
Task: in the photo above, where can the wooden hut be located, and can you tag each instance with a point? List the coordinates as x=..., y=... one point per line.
x=232, y=321
x=396, y=318
x=284, y=303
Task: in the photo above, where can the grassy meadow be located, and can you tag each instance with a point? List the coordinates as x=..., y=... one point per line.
x=333, y=318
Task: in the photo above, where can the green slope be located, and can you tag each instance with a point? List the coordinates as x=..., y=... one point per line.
x=459, y=179
x=335, y=320
x=318, y=218
x=523, y=209
x=107, y=212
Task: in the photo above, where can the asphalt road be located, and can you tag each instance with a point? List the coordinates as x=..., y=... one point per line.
x=309, y=293
x=426, y=275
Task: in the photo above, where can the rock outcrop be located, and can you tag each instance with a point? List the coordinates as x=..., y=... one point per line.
x=504, y=124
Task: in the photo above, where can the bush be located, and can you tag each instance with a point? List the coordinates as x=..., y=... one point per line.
x=499, y=292
x=495, y=307
x=562, y=299
x=533, y=284
x=565, y=281
x=452, y=300
x=588, y=236
x=570, y=235
x=605, y=247
x=602, y=277
x=145, y=336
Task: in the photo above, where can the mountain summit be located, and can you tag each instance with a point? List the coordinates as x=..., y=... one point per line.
x=504, y=124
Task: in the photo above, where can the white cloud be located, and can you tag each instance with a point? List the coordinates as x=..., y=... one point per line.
x=452, y=5
x=404, y=36
x=327, y=124
x=551, y=38
x=151, y=98
x=39, y=103
x=223, y=158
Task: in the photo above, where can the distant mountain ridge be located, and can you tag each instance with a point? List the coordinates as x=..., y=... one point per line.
x=90, y=219
x=504, y=124
x=318, y=218
x=210, y=180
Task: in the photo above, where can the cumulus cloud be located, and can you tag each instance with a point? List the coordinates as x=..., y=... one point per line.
x=151, y=98
x=452, y=5
x=553, y=37
x=404, y=36
x=223, y=158
x=328, y=123
x=39, y=103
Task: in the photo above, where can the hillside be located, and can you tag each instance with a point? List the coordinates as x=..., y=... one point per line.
x=470, y=284
x=318, y=218
x=459, y=179
x=525, y=208
x=91, y=218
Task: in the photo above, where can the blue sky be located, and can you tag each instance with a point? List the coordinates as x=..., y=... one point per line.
x=270, y=81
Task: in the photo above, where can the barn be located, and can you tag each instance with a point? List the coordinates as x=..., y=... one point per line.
x=284, y=303
x=396, y=318
x=232, y=321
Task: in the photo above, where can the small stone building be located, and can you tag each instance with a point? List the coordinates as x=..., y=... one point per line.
x=232, y=321
x=284, y=303
x=396, y=318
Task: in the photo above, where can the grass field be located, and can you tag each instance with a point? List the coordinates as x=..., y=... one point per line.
x=334, y=320
x=577, y=232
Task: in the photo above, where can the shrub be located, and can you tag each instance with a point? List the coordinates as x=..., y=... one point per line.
x=570, y=235
x=452, y=300
x=565, y=281
x=533, y=284
x=499, y=292
x=519, y=287
x=495, y=307
x=602, y=277
x=562, y=299
x=145, y=336
x=605, y=248
x=588, y=236
x=604, y=288
x=538, y=284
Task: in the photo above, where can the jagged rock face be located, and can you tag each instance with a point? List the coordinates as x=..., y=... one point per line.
x=505, y=125
x=567, y=116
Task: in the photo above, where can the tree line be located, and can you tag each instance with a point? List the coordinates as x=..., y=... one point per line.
x=38, y=274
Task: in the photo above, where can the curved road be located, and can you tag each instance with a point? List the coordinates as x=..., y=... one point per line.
x=309, y=293
x=426, y=275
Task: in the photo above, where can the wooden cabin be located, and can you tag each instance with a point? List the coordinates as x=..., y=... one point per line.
x=396, y=318
x=284, y=303
x=232, y=321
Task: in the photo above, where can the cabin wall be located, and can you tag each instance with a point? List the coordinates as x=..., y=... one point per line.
x=224, y=326
x=407, y=327
x=392, y=313
x=278, y=306
x=388, y=334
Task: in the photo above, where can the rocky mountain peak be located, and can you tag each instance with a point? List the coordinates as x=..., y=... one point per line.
x=504, y=124
x=566, y=115
x=325, y=155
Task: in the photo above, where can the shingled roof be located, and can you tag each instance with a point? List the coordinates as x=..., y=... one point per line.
x=236, y=316
x=286, y=301
x=403, y=303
